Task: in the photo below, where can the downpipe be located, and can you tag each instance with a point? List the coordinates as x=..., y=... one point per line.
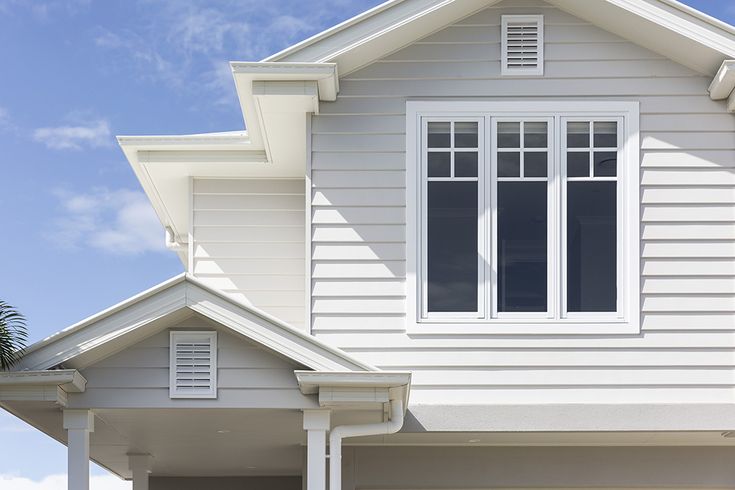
x=340, y=432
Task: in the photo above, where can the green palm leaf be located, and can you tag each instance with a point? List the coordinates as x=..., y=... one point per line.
x=13, y=335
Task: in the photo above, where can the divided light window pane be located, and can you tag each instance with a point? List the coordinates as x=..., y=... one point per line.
x=522, y=210
x=591, y=220
x=522, y=238
x=452, y=216
x=452, y=246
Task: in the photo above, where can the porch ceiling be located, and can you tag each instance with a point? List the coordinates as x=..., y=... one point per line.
x=193, y=442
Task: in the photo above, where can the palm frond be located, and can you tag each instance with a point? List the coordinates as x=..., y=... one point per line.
x=13, y=335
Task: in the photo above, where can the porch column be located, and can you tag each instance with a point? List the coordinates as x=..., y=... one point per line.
x=140, y=465
x=316, y=425
x=79, y=424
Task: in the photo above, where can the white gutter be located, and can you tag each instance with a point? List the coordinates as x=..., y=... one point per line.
x=70, y=380
x=340, y=432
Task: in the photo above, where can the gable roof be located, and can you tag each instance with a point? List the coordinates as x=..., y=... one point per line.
x=132, y=320
x=668, y=27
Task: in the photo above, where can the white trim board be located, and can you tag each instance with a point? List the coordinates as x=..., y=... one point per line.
x=152, y=310
x=627, y=320
x=681, y=32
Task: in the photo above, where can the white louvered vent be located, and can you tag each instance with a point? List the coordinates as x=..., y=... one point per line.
x=523, y=45
x=193, y=365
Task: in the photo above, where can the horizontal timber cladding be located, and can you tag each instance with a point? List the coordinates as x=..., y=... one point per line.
x=249, y=242
x=686, y=349
x=138, y=377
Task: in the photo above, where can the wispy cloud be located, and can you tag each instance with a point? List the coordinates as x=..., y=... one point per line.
x=4, y=118
x=44, y=10
x=59, y=482
x=187, y=44
x=94, y=134
x=118, y=222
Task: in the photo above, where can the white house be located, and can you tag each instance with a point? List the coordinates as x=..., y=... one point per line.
x=463, y=244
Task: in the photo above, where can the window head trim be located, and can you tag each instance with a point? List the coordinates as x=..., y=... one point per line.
x=628, y=321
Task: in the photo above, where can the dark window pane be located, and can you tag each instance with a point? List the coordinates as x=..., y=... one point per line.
x=509, y=135
x=578, y=135
x=439, y=164
x=465, y=135
x=591, y=246
x=535, y=164
x=522, y=259
x=606, y=134
x=606, y=164
x=578, y=164
x=465, y=164
x=438, y=134
x=535, y=135
x=452, y=247
x=509, y=164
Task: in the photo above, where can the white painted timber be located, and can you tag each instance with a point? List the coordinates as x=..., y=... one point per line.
x=139, y=375
x=686, y=349
x=248, y=241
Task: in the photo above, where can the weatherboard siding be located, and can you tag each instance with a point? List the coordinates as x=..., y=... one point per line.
x=138, y=377
x=249, y=242
x=686, y=350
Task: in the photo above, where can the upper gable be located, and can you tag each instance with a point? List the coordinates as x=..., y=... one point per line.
x=469, y=50
x=248, y=375
x=667, y=27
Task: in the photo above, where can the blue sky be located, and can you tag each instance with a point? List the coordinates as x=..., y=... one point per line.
x=78, y=234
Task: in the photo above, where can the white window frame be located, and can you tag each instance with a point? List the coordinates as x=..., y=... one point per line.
x=627, y=319
x=481, y=219
x=177, y=336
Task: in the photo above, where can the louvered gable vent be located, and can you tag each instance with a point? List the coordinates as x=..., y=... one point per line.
x=193, y=365
x=523, y=45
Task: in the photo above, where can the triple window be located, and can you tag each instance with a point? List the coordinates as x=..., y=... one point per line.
x=522, y=217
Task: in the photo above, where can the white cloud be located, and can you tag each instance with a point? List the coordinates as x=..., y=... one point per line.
x=5, y=122
x=58, y=482
x=94, y=134
x=186, y=44
x=119, y=222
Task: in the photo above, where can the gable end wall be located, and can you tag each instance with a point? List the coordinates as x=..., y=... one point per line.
x=687, y=345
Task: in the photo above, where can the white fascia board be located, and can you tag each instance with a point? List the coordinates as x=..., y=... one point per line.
x=378, y=32
x=111, y=328
x=312, y=382
x=684, y=21
x=666, y=27
x=359, y=18
x=394, y=24
x=69, y=380
x=105, y=313
x=171, y=203
x=324, y=73
x=724, y=82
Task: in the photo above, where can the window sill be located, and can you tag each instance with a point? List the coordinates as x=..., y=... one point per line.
x=500, y=327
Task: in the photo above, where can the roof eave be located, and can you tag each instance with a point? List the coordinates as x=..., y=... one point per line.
x=723, y=84
x=301, y=347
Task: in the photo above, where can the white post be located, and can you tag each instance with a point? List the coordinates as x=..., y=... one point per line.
x=316, y=425
x=79, y=424
x=140, y=465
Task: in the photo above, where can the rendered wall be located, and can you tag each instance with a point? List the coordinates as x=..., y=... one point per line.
x=449, y=468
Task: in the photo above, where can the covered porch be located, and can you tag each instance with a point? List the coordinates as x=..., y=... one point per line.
x=110, y=389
